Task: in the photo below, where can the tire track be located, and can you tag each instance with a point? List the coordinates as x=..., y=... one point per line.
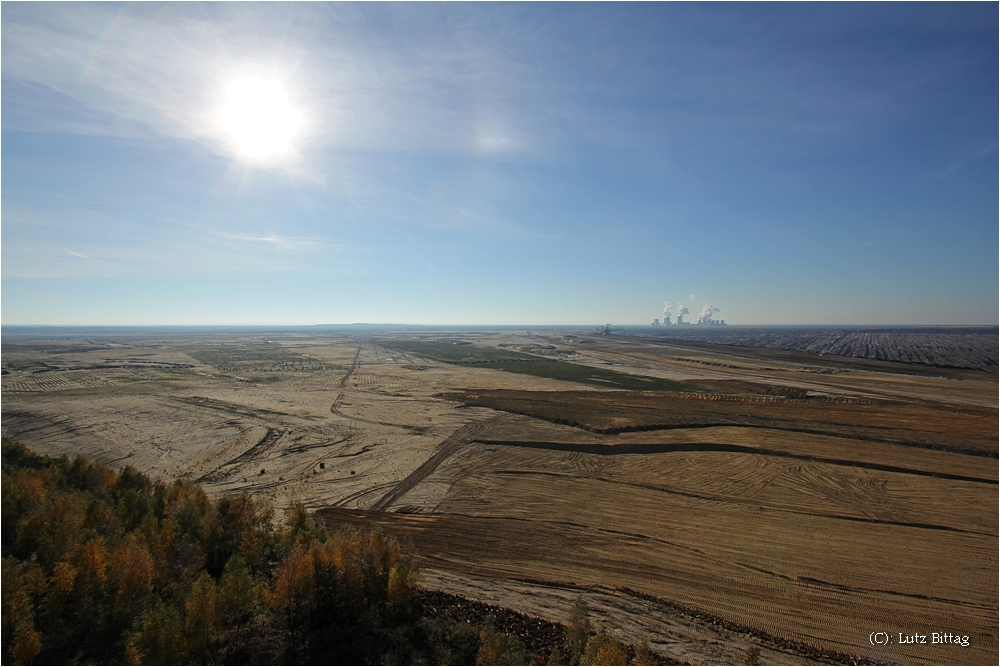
x=856, y=589
x=254, y=453
x=772, y=641
x=232, y=408
x=335, y=408
x=737, y=501
x=658, y=448
x=350, y=370
x=357, y=496
x=447, y=448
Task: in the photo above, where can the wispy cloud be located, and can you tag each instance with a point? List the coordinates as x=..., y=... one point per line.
x=282, y=242
x=165, y=69
x=81, y=256
x=175, y=260
x=32, y=248
x=470, y=79
x=965, y=162
x=475, y=133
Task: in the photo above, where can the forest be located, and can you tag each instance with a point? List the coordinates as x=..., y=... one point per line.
x=112, y=567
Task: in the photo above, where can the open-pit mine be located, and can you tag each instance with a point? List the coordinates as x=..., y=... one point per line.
x=731, y=503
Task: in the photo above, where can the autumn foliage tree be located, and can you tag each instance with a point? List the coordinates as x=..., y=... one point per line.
x=113, y=567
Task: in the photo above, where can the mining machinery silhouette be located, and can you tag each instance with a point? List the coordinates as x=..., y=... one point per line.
x=608, y=330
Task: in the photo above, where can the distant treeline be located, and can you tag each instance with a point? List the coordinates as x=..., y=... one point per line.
x=936, y=347
x=111, y=567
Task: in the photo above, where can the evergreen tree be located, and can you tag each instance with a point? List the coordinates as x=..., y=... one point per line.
x=201, y=619
x=577, y=631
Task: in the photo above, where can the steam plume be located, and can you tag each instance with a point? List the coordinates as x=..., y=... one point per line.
x=706, y=313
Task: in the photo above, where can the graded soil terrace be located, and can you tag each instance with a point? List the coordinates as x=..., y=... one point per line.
x=721, y=500
x=966, y=430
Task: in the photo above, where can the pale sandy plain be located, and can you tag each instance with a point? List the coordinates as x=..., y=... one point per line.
x=713, y=541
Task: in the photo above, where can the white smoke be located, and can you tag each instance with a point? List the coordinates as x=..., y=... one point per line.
x=666, y=312
x=706, y=313
x=682, y=310
x=693, y=299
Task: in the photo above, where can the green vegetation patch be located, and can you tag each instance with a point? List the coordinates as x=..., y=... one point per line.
x=526, y=364
x=600, y=377
x=244, y=359
x=456, y=352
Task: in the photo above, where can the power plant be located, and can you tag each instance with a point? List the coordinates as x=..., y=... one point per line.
x=704, y=317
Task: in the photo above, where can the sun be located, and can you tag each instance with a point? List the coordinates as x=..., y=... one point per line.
x=259, y=119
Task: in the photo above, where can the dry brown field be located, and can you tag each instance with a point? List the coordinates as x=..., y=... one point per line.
x=787, y=503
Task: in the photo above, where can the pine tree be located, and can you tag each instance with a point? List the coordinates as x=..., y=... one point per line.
x=201, y=618
x=603, y=649
x=132, y=571
x=577, y=631
x=160, y=639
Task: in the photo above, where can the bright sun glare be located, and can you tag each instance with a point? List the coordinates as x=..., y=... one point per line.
x=259, y=119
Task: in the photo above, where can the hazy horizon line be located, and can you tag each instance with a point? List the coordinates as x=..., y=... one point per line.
x=685, y=327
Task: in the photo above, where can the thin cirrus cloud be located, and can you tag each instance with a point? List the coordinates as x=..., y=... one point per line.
x=516, y=144
x=708, y=78
x=233, y=256
x=81, y=256
x=284, y=243
x=166, y=69
x=31, y=250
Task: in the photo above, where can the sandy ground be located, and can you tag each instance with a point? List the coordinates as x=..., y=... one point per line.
x=813, y=541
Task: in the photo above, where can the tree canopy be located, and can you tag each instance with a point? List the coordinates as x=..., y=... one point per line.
x=112, y=567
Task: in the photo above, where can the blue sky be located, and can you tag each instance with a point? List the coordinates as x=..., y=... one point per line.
x=501, y=163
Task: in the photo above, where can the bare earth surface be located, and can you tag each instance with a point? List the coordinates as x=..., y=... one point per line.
x=959, y=347
x=787, y=501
